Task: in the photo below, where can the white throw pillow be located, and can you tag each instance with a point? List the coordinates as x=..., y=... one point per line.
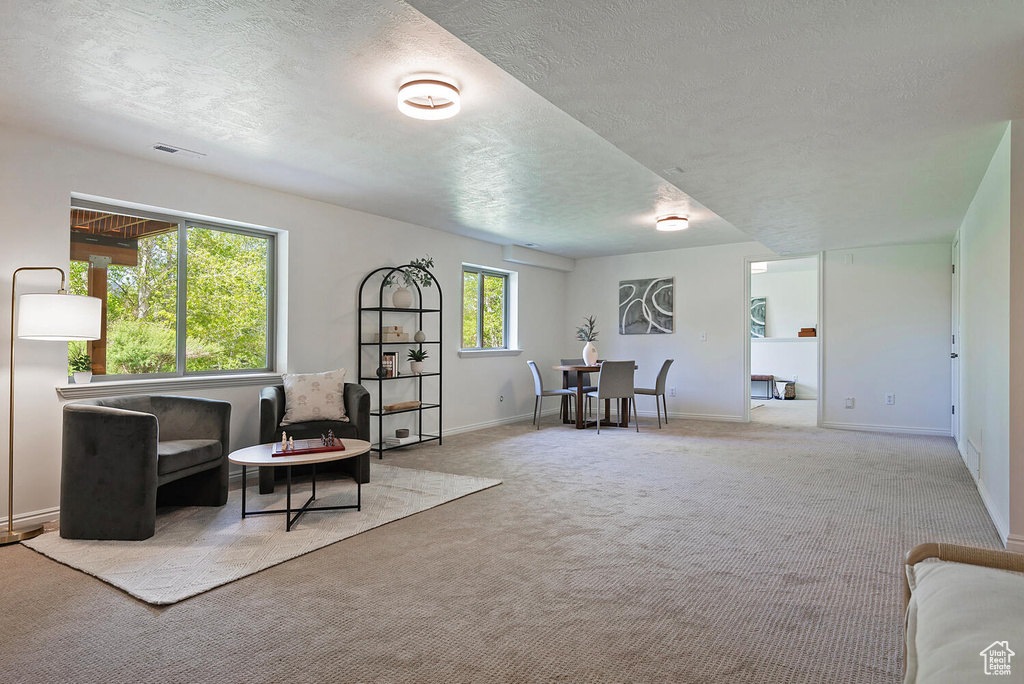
x=314, y=396
x=957, y=612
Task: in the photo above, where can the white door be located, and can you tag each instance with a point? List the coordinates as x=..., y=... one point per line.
x=954, y=355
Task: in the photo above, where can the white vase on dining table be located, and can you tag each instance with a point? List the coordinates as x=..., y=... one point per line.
x=590, y=354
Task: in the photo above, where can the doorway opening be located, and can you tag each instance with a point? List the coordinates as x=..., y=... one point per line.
x=783, y=342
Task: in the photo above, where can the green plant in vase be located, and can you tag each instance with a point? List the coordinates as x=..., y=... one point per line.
x=416, y=359
x=588, y=333
x=402, y=297
x=80, y=365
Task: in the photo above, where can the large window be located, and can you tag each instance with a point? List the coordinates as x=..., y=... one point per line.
x=180, y=296
x=484, y=308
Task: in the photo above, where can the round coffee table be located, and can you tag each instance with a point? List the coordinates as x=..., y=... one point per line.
x=262, y=455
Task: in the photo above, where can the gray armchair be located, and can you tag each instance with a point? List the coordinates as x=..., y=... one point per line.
x=124, y=456
x=357, y=408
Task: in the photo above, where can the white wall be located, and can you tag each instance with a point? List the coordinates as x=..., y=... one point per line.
x=886, y=329
x=792, y=303
x=792, y=298
x=787, y=359
x=330, y=249
x=709, y=297
x=985, y=334
x=1015, y=537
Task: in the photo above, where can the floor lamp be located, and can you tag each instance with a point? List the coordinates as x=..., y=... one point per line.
x=56, y=317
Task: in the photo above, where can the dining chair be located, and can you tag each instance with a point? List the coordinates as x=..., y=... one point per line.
x=538, y=388
x=615, y=381
x=658, y=390
x=573, y=380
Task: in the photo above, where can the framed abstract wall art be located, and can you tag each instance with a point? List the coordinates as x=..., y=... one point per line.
x=646, y=306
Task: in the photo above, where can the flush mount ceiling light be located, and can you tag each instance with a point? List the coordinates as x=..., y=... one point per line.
x=671, y=222
x=429, y=97
x=759, y=267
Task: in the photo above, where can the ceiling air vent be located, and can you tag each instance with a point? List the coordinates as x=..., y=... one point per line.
x=180, y=151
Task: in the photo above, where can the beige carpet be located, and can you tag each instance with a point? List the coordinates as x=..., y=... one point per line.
x=196, y=549
x=707, y=552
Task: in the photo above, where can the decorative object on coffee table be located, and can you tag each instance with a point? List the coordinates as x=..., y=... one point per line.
x=402, y=432
x=372, y=304
x=53, y=317
x=416, y=358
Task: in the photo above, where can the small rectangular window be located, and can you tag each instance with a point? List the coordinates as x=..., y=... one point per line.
x=179, y=297
x=484, y=308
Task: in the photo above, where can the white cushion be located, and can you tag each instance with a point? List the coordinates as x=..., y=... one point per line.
x=314, y=396
x=957, y=611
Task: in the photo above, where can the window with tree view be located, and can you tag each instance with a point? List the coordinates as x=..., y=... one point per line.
x=180, y=297
x=484, y=309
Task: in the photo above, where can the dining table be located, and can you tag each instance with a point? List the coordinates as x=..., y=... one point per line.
x=581, y=421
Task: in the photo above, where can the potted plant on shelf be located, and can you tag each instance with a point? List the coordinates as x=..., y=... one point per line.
x=402, y=297
x=80, y=365
x=416, y=358
x=588, y=333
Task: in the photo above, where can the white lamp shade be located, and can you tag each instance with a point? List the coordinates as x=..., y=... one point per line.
x=59, y=317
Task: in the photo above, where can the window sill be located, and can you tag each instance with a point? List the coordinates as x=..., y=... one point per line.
x=157, y=385
x=481, y=353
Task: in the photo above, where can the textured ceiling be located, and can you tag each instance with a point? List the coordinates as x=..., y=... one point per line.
x=807, y=124
x=300, y=96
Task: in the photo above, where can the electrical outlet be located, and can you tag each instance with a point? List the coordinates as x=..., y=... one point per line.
x=890, y=399
x=703, y=337
x=849, y=402
x=671, y=391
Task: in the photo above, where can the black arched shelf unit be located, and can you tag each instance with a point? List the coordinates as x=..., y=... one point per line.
x=425, y=387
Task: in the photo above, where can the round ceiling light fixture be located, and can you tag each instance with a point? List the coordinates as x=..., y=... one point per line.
x=672, y=222
x=429, y=97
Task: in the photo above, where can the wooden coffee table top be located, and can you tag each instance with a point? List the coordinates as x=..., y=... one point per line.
x=262, y=454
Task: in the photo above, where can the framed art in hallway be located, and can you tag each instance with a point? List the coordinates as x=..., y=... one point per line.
x=758, y=316
x=646, y=306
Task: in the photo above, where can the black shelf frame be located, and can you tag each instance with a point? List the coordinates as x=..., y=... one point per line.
x=380, y=310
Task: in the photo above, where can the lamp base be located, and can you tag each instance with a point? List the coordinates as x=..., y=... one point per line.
x=19, y=535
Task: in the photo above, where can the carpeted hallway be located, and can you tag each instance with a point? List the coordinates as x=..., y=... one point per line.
x=705, y=552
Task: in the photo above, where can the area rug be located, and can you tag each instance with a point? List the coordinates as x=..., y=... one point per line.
x=197, y=549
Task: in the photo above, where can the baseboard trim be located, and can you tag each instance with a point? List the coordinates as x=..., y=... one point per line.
x=473, y=427
x=43, y=515
x=1002, y=526
x=1015, y=543
x=897, y=429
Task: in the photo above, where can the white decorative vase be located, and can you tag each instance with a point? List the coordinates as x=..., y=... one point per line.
x=590, y=354
x=420, y=336
x=83, y=377
x=416, y=367
x=402, y=298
